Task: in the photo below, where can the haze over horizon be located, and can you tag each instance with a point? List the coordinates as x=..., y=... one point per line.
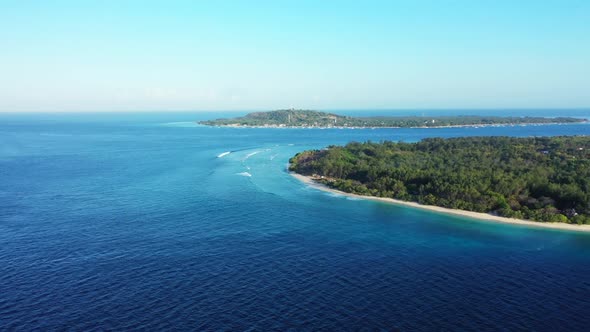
x=180, y=55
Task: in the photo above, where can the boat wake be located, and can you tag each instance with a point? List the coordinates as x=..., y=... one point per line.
x=250, y=155
x=221, y=155
x=245, y=174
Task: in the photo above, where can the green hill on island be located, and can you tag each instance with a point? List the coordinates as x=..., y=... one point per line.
x=308, y=118
x=542, y=179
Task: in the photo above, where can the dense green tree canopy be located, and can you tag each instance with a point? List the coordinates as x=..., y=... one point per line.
x=542, y=179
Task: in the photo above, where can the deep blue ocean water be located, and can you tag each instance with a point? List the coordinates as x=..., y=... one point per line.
x=132, y=222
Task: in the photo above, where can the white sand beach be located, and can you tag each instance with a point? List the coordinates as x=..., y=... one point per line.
x=477, y=215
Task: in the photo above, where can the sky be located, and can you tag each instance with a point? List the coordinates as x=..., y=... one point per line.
x=125, y=55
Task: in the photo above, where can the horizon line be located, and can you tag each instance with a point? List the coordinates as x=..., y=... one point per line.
x=299, y=109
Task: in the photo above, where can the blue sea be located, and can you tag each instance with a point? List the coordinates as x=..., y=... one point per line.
x=144, y=221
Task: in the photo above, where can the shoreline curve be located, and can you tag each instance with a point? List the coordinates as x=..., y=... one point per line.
x=463, y=213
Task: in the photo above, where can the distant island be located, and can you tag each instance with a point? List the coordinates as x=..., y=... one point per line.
x=545, y=179
x=313, y=119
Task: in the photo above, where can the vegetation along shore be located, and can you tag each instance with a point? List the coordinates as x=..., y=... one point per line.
x=542, y=180
x=314, y=119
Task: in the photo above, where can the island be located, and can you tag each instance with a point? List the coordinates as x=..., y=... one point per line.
x=292, y=118
x=543, y=179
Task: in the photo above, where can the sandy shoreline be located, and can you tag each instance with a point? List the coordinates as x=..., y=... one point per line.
x=387, y=127
x=477, y=215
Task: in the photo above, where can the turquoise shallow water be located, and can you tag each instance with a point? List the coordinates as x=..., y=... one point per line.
x=131, y=221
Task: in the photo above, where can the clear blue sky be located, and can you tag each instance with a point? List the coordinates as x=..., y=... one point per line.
x=244, y=55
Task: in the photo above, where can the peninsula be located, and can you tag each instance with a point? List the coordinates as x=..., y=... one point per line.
x=544, y=179
x=313, y=119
